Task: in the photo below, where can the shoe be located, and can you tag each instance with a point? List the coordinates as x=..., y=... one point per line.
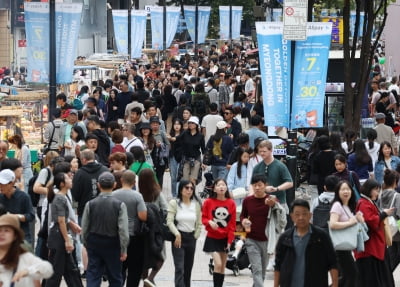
x=148, y=283
x=271, y=264
x=83, y=275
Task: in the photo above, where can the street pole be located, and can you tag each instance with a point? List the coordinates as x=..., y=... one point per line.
x=230, y=23
x=52, y=59
x=164, y=27
x=196, y=34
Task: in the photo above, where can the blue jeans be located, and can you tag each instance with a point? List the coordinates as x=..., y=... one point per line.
x=104, y=254
x=219, y=171
x=173, y=170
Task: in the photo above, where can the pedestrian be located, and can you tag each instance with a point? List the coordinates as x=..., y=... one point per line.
x=343, y=173
x=219, y=219
x=384, y=132
x=372, y=266
x=105, y=234
x=254, y=217
x=304, y=253
x=18, y=267
x=360, y=162
x=60, y=242
x=386, y=160
x=160, y=152
x=237, y=175
x=175, y=154
x=137, y=213
x=324, y=162
x=184, y=221
x=372, y=146
x=342, y=216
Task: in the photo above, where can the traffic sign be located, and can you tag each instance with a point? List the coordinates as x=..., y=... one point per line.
x=295, y=20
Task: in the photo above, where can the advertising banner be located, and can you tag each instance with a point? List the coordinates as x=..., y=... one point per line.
x=337, y=28
x=38, y=34
x=309, y=80
x=68, y=22
x=353, y=23
x=37, y=38
x=202, y=27
x=173, y=14
x=275, y=58
x=138, y=31
x=224, y=21
x=157, y=27
x=120, y=21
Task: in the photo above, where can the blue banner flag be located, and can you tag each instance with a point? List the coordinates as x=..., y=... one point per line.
x=157, y=27
x=203, y=19
x=353, y=23
x=309, y=80
x=274, y=53
x=68, y=22
x=37, y=39
x=120, y=21
x=190, y=18
x=138, y=31
x=173, y=14
x=224, y=21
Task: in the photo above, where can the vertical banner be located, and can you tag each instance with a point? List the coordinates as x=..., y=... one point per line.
x=120, y=21
x=68, y=22
x=309, y=80
x=277, y=15
x=157, y=27
x=203, y=19
x=353, y=23
x=275, y=58
x=138, y=31
x=173, y=14
x=156, y=16
x=224, y=21
x=37, y=39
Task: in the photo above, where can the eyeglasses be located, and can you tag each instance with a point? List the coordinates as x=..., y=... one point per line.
x=227, y=113
x=189, y=187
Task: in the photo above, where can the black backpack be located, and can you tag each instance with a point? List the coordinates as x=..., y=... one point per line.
x=322, y=213
x=33, y=195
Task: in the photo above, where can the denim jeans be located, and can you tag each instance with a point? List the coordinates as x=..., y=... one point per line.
x=183, y=259
x=258, y=257
x=104, y=254
x=173, y=169
x=219, y=171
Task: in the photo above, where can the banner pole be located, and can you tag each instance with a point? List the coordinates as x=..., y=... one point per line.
x=52, y=59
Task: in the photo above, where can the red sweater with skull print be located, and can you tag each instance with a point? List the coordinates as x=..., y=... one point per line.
x=222, y=212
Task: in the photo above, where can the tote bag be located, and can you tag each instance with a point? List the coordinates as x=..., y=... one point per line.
x=345, y=239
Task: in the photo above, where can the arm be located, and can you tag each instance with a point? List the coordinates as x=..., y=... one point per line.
x=85, y=223
x=63, y=229
x=35, y=268
x=232, y=223
x=123, y=230
x=334, y=222
x=335, y=277
x=28, y=214
x=230, y=180
x=394, y=143
x=40, y=186
x=277, y=276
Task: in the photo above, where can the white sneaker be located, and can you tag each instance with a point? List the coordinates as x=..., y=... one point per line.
x=271, y=264
x=148, y=283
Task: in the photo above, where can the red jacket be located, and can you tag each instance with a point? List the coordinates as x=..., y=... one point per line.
x=222, y=212
x=376, y=245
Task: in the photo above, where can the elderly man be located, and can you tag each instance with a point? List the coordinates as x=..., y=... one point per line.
x=384, y=132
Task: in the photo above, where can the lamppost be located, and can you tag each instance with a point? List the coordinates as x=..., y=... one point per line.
x=196, y=34
x=52, y=58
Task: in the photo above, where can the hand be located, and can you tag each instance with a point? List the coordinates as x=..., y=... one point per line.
x=270, y=201
x=213, y=225
x=353, y=220
x=360, y=217
x=123, y=257
x=18, y=275
x=178, y=241
x=389, y=211
x=246, y=221
x=75, y=227
x=158, y=144
x=203, y=166
x=270, y=189
x=69, y=247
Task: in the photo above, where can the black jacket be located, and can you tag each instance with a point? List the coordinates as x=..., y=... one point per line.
x=320, y=258
x=84, y=187
x=103, y=146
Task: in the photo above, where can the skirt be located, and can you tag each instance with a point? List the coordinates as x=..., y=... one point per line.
x=374, y=272
x=215, y=245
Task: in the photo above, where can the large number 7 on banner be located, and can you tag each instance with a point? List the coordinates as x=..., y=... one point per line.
x=38, y=33
x=312, y=61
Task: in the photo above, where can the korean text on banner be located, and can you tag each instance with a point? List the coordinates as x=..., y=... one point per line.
x=68, y=22
x=310, y=70
x=37, y=38
x=120, y=21
x=157, y=27
x=275, y=59
x=203, y=19
x=224, y=21
x=138, y=30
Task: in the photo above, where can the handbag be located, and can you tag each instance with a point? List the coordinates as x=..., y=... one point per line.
x=392, y=222
x=346, y=238
x=354, y=187
x=362, y=236
x=208, y=157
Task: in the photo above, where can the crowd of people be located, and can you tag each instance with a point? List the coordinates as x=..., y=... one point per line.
x=103, y=208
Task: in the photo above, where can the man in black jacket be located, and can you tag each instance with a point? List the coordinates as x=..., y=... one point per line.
x=84, y=185
x=304, y=253
x=103, y=144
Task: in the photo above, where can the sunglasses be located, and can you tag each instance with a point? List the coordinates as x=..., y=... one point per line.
x=227, y=113
x=189, y=187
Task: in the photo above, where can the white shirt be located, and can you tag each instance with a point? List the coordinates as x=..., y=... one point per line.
x=186, y=217
x=209, y=122
x=128, y=143
x=373, y=153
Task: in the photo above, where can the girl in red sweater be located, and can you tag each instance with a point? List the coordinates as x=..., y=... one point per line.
x=219, y=219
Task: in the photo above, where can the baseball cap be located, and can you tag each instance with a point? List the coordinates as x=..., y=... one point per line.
x=106, y=178
x=380, y=116
x=7, y=176
x=221, y=125
x=154, y=119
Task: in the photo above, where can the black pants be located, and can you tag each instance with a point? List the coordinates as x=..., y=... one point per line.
x=65, y=265
x=160, y=169
x=347, y=269
x=183, y=259
x=134, y=262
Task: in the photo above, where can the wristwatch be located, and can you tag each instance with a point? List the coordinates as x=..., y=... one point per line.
x=277, y=189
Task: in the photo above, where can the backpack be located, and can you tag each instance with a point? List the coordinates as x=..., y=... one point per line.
x=322, y=213
x=7, y=81
x=33, y=195
x=77, y=103
x=199, y=107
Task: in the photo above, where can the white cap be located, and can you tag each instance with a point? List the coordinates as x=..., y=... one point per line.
x=7, y=176
x=221, y=125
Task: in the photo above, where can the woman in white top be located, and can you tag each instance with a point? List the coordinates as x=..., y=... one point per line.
x=342, y=217
x=17, y=265
x=372, y=146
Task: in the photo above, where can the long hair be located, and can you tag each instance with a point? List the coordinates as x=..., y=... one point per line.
x=352, y=200
x=371, y=136
x=10, y=260
x=390, y=178
x=58, y=179
x=151, y=142
x=181, y=185
x=79, y=131
x=218, y=135
x=240, y=152
x=349, y=136
x=368, y=186
x=213, y=194
x=362, y=155
x=172, y=131
x=380, y=153
x=148, y=186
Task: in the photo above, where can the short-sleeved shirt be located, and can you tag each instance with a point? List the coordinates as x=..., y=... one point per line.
x=134, y=203
x=58, y=208
x=42, y=176
x=343, y=211
x=277, y=174
x=299, y=268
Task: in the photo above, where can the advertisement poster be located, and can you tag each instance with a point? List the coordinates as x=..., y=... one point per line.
x=157, y=25
x=203, y=19
x=138, y=31
x=120, y=21
x=309, y=79
x=224, y=21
